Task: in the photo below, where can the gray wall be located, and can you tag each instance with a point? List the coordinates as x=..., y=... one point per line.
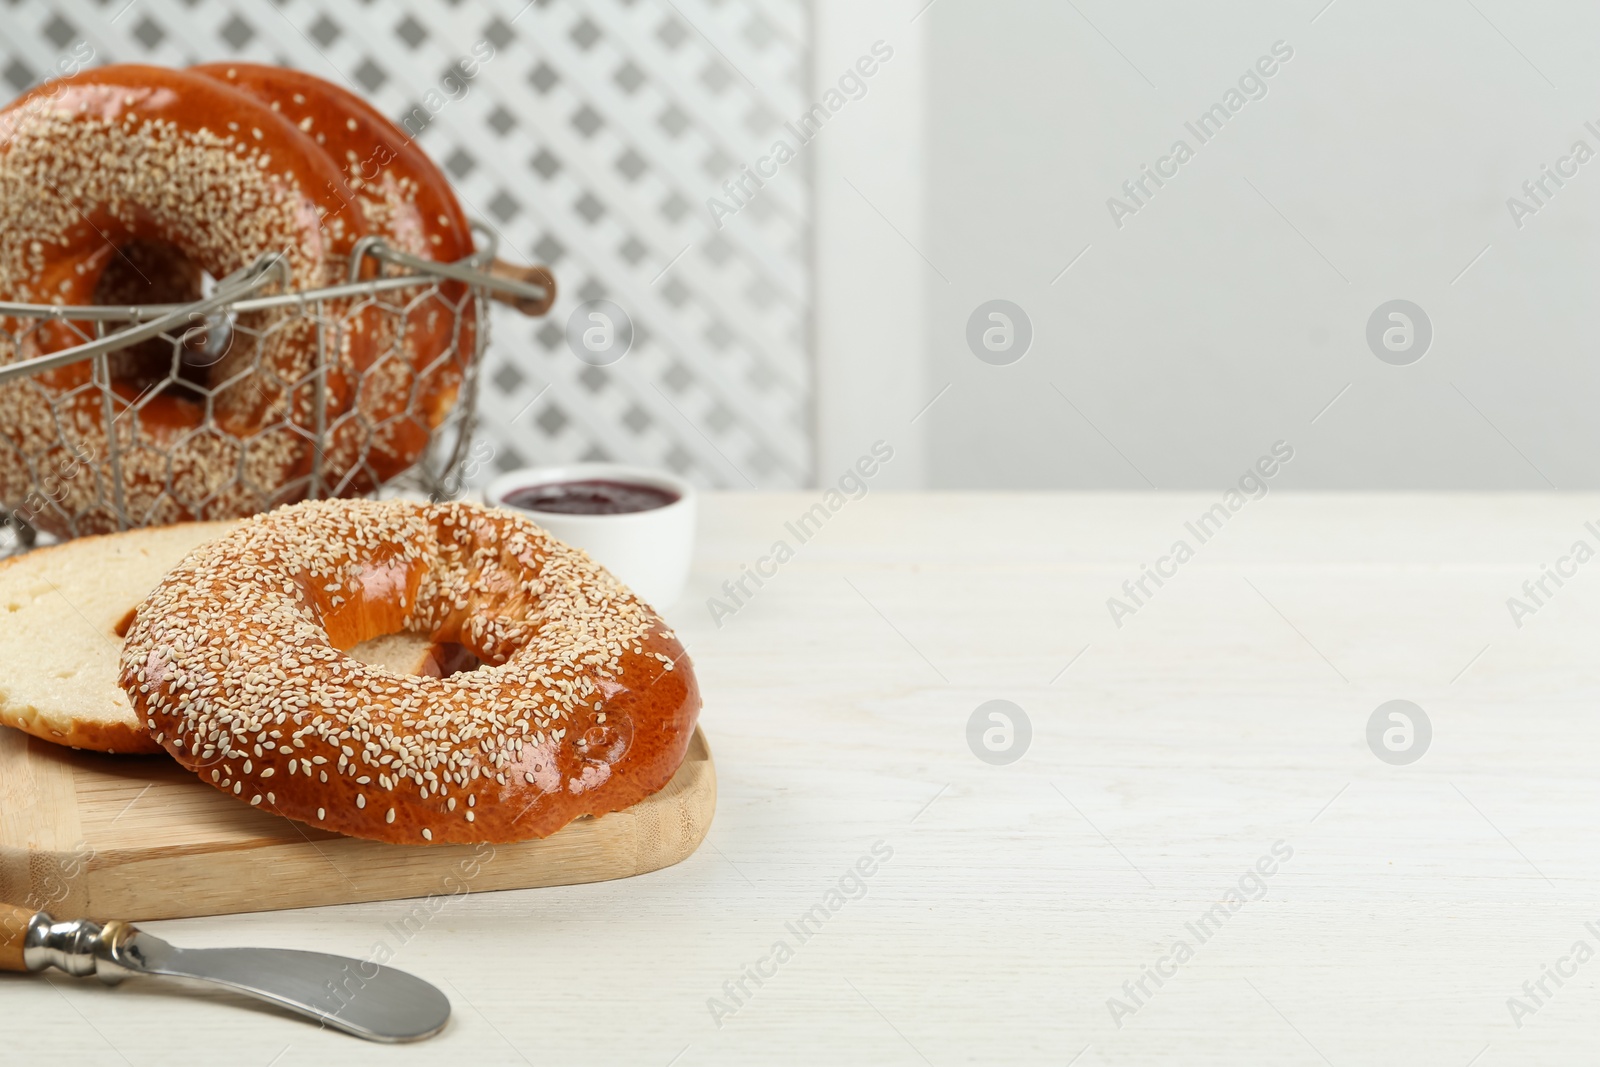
x=1233, y=306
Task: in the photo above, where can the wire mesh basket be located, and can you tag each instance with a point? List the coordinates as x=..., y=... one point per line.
x=254, y=395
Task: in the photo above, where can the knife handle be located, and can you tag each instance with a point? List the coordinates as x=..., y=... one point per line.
x=13, y=934
x=32, y=941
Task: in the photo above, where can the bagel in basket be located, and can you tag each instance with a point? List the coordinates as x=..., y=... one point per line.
x=121, y=185
x=235, y=663
x=412, y=376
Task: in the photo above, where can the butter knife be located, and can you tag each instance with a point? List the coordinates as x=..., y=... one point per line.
x=360, y=998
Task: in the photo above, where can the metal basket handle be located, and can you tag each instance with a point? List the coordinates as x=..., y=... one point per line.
x=531, y=290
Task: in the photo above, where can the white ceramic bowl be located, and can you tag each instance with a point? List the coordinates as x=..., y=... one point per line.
x=649, y=550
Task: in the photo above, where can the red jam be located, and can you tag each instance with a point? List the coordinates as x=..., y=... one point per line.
x=591, y=497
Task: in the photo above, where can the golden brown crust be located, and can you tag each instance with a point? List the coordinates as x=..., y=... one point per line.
x=390, y=181
x=585, y=705
x=111, y=738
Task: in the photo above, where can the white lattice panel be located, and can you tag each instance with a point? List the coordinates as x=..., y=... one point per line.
x=589, y=138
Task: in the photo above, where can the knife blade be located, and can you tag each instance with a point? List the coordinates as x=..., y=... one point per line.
x=356, y=996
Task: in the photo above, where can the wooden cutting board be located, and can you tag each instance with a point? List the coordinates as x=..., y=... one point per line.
x=138, y=837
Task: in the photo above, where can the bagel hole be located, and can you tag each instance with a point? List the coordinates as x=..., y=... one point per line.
x=448, y=657
x=149, y=271
x=414, y=654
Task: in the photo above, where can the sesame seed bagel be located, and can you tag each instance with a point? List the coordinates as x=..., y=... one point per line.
x=414, y=375
x=584, y=703
x=122, y=185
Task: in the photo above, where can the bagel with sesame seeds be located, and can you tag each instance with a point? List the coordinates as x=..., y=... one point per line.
x=236, y=663
x=411, y=380
x=126, y=184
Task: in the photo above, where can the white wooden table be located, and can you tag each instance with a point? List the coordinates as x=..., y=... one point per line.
x=1228, y=714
